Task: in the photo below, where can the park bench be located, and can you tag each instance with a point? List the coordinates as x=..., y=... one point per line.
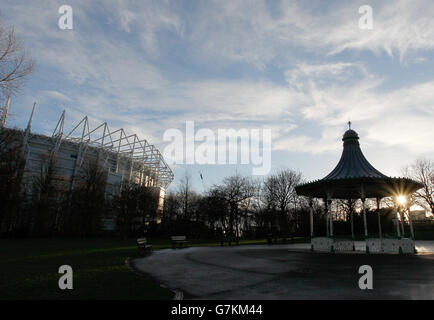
x=229, y=240
x=143, y=246
x=270, y=238
x=275, y=238
x=178, y=241
x=286, y=238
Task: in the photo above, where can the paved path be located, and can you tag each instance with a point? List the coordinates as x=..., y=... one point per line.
x=289, y=272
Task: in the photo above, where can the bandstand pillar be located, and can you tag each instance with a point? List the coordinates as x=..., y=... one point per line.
x=401, y=216
x=329, y=207
x=352, y=225
x=311, y=216
x=327, y=217
x=378, y=217
x=364, y=216
x=410, y=220
x=351, y=218
x=397, y=225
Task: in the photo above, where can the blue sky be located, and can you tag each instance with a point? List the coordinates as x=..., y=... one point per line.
x=299, y=68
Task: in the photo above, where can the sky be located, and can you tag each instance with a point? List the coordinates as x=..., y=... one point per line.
x=301, y=69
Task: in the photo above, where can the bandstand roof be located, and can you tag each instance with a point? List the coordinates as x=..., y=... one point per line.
x=354, y=177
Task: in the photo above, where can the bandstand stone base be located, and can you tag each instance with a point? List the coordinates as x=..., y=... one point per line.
x=401, y=245
x=373, y=245
x=328, y=244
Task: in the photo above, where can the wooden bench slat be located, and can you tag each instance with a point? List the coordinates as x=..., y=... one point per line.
x=143, y=245
x=178, y=241
x=178, y=238
x=229, y=240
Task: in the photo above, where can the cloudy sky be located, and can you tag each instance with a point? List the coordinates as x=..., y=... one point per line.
x=299, y=68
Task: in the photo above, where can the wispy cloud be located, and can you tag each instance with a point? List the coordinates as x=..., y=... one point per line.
x=259, y=32
x=301, y=68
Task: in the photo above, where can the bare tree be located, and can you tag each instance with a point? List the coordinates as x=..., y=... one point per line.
x=88, y=196
x=171, y=207
x=11, y=174
x=46, y=195
x=279, y=193
x=15, y=65
x=128, y=202
x=215, y=210
x=285, y=192
x=135, y=204
x=235, y=190
x=268, y=194
x=423, y=171
x=344, y=208
x=185, y=194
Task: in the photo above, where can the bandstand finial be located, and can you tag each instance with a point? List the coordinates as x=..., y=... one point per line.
x=349, y=124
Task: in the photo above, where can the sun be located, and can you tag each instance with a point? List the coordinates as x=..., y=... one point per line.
x=402, y=200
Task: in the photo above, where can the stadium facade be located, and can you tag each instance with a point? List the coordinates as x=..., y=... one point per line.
x=124, y=157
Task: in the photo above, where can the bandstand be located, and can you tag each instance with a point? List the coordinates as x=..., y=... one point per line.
x=355, y=178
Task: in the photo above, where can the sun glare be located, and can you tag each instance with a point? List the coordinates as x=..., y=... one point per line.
x=401, y=200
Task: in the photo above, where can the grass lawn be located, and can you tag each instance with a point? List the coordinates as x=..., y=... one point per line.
x=29, y=268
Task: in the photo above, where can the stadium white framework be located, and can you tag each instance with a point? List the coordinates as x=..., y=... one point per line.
x=125, y=157
x=137, y=160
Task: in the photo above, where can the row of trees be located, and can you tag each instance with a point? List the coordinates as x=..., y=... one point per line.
x=241, y=206
x=45, y=203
